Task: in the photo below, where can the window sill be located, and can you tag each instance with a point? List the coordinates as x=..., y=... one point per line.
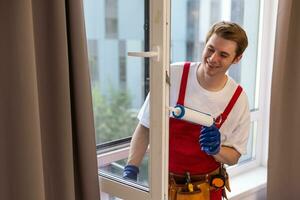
x=248, y=183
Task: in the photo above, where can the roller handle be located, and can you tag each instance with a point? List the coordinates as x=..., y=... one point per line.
x=181, y=112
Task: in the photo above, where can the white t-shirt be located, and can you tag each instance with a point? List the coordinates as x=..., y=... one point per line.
x=234, y=131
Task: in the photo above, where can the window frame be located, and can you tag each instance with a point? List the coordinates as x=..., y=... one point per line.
x=266, y=44
x=120, y=142
x=159, y=102
x=265, y=55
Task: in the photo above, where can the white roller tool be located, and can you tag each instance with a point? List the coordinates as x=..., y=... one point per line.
x=187, y=114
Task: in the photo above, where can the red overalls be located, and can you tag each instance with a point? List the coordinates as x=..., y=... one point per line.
x=185, y=154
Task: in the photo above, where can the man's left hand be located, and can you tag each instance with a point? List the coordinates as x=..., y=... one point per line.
x=210, y=140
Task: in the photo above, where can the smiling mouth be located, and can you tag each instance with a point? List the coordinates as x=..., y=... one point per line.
x=211, y=66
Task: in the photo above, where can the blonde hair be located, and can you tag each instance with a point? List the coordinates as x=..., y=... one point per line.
x=230, y=31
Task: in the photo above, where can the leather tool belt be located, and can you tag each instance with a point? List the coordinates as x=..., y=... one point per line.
x=198, y=187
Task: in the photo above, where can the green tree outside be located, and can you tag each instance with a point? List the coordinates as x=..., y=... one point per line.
x=114, y=119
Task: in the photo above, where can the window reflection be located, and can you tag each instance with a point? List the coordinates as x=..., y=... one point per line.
x=117, y=80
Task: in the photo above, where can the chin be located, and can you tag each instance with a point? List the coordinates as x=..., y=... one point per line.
x=208, y=70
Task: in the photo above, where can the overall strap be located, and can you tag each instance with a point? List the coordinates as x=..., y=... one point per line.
x=222, y=117
x=183, y=83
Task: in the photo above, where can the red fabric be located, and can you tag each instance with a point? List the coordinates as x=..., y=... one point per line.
x=183, y=84
x=216, y=195
x=185, y=154
x=184, y=143
x=222, y=117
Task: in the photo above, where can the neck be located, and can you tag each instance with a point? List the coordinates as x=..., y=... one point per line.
x=211, y=83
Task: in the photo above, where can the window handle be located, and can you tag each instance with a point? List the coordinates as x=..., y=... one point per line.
x=146, y=54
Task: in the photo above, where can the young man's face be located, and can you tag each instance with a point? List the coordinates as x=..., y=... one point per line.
x=218, y=55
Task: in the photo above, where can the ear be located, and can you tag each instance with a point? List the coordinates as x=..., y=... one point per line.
x=237, y=59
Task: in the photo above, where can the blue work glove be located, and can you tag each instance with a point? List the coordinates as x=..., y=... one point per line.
x=210, y=140
x=130, y=172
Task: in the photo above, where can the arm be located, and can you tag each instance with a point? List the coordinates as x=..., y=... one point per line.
x=210, y=142
x=138, y=146
x=227, y=155
x=236, y=142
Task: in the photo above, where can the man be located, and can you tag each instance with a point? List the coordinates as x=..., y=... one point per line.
x=196, y=153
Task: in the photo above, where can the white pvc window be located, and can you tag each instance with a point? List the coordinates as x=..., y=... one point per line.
x=119, y=86
x=115, y=27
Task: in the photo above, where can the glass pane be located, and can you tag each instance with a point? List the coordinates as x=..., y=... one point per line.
x=113, y=28
x=191, y=20
x=116, y=168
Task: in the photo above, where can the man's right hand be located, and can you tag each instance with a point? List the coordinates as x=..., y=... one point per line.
x=130, y=172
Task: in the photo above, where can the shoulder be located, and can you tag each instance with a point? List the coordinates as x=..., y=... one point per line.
x=178, y=66
x=242, y=101
x=176, y=70
x=233, y=85
x=181, y=64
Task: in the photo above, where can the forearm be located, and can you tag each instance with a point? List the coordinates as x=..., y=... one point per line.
x=227, y=155
x=138, y=145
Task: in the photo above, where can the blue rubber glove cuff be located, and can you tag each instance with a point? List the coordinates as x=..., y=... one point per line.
x=130, y=172
x=211, y=150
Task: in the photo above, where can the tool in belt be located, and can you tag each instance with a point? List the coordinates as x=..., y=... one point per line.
x=198, y=187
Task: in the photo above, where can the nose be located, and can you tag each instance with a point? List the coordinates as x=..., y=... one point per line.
x=214, y=57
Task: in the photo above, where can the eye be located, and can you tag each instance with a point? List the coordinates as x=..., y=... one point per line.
x=224, y=55
x=210, y=49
